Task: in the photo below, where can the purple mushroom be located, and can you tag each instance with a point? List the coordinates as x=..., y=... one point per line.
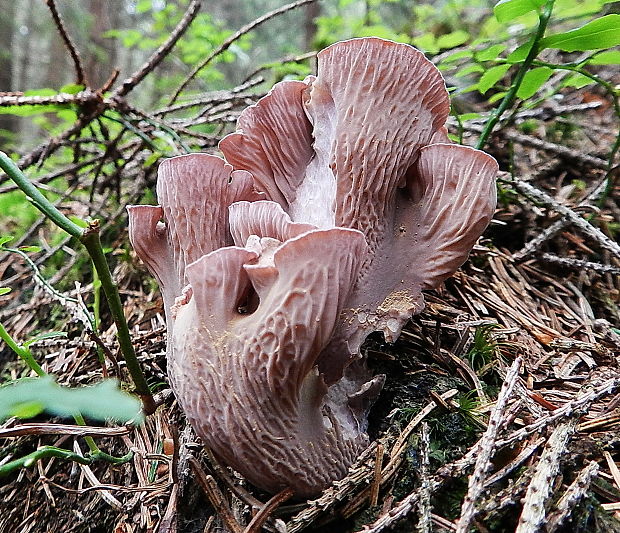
x=346, y=201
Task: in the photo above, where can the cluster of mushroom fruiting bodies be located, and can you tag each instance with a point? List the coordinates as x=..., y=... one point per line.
x=339, y=200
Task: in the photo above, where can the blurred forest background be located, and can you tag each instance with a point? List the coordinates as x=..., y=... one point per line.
x=122, y=33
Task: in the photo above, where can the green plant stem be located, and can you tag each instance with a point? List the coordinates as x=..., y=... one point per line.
x=613, y=93
x=89, y=321
x=97, y=313
x=89, y=237
x=90, y=442
x=51, y=451
x=39, y=201
x=459, y=123
x=510, y=96
x=21, y=351
x=42, y=453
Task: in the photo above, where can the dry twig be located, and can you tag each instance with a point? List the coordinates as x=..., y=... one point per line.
x=229, y=40
x=540, y=196
x=160, y=53
x=80, y=78
x=424, y=503
x=541, y=486
x=62, y=429
x=486, y=446
x=574, y=493
x=217, y=499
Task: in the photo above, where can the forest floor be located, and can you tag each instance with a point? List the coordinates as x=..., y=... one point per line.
x=501, y=410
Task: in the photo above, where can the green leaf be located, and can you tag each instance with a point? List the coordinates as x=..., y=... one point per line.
x=5, y=290
x=30, y=110
x=27, y=409
x=43, y=336
x=577, y=81
x=4, y=239
x=100, y=402
x=497, y=96
x=603, y=32
x=78, y=221
x=609, y=57
x=474, y=67
x=72, y=88
x=68, y=115
x=453, y=39
x=469, y=116
x=143, y=6
x=150, y=160
x=30, y=249
x=36, y=109
x=469, y=88
x=46, y=91
x=491, y=77
x=532, y=81
x=461, y=54
x=492, y=52
x=507, y=10
x=520, y=53
x=426, y=42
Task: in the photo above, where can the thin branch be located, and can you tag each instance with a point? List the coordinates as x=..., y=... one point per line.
x=89, y=237
x=83, y=97
x=256, y=524
x=160, y=53
x=536, y=194
x=573, y=495
x=62, y=429
x=424, y=504
x=80, y=78
x=564, y=152
x=580, y=404
x=48, y=147
x=523, y=456
x=230, y=40
x=39, y=201
x=217, y=499
x=556, y=227
x=359, y=473
x=217, y=98
x=287, y=59
x=580, y=264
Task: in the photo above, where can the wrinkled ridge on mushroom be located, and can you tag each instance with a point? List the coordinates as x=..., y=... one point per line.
x=453, y=211
x=447, y=203
x=373, y=105
x=147, y=236
x=262, y=362
x=195, y=191
x=273, y=141
x=264, y=219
